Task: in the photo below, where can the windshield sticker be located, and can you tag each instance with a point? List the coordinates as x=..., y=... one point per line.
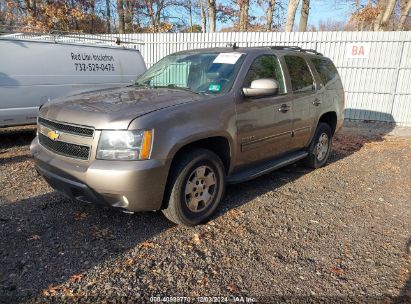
x=214, y=87
x=227, y=58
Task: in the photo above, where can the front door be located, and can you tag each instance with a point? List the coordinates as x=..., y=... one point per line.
x=264, y=124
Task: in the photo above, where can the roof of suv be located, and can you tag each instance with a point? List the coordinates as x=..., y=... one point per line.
x=251, y=50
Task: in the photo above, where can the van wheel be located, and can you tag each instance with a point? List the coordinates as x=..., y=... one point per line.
x=197, y=187
x=320, y=147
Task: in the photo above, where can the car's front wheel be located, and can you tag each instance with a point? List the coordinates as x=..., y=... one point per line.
x=196, y=187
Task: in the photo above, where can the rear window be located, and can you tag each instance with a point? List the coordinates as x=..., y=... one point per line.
x=325, y=69
x=300, y=74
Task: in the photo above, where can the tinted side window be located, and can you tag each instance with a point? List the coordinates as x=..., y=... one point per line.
x=325, y=69
x=266, y=66
x=301, y=78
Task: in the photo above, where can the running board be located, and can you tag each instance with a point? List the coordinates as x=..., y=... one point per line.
x=266, y=167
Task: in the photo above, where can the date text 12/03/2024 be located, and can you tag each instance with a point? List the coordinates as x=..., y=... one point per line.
x=202, y=299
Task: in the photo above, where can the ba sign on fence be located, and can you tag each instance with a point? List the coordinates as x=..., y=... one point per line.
x=358, y=50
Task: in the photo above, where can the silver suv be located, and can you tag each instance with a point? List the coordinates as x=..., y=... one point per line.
x=193, y=122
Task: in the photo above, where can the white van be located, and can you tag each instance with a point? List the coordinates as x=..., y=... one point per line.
x=35, y=71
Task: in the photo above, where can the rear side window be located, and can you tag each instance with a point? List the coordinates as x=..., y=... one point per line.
x=301, y=78
x=266, y=66
x=325, y=69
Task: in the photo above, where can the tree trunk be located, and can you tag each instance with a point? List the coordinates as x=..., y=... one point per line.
x=305, y=10
x=245, y=4
x=31, y=7
x=34, y=7
x=405, y=11
x=211, y=15
x=128, y=16
x=269, y=15
x=203, y=17
x=190, y=12
x=150, y=8
x=291, y=10
x=386, y=8
x=93, y=9
x=108, y=17
x=120, y=12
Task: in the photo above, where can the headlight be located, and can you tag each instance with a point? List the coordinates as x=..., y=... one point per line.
x=125, y=145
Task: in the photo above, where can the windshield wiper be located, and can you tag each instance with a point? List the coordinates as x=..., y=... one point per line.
x=173, y=86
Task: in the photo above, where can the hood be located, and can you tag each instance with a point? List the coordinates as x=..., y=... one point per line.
x=114, y=108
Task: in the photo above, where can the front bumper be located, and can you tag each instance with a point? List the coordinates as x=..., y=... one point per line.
x=129, y=185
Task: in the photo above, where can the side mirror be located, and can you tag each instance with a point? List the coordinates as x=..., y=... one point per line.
x=261, y=87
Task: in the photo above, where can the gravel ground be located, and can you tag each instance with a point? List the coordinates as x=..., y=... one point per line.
x=336, y=233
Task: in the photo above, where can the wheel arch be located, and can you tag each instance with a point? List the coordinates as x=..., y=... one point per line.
x=219, y=145
x=329, y=118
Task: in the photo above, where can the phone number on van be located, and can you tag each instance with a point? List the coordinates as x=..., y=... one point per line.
x=94, y=67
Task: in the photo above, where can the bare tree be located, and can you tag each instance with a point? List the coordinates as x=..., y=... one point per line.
x=108, y=16
x=128, y=16
x=120, y=12
x=203, y=16
x=386, y=7
x=269, y=15
x=189, y=7
x=244, y=7
x=405, y=12
x=291, y=10
x=305, y=10
x=212, y=15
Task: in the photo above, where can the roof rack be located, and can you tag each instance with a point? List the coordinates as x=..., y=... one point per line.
x=68, y=37
x=232, y=45
x=294, y=48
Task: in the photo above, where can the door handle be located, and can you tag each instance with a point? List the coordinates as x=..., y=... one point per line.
x=316, y=102
x=284, y=108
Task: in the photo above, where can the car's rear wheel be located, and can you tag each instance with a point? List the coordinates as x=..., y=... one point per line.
x=196, y=188
x=320, y=147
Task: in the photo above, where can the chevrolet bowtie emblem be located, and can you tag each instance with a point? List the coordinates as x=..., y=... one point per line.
x=53, y=135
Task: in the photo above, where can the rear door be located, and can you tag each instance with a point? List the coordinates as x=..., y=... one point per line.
x=305, y=100
x=264, y=124
x=330, y=88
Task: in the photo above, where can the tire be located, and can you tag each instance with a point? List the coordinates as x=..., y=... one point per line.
x=196, y=187
x=319, y=150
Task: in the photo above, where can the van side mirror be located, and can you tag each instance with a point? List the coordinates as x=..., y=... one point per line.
x=261, y=87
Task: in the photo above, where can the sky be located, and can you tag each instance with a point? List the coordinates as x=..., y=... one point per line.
x=336, y=10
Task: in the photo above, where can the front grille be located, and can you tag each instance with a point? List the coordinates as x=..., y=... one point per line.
x=65, y=149
x=82, y=131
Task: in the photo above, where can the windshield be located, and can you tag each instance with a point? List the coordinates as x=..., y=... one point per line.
x=203, y=73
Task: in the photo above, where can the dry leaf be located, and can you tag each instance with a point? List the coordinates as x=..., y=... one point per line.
x=146, y=245
x=337, y=271
x=67, y=292
x=235, y=213
x=51, y=290
x=80, y=216
x=196, y=239
x=232, y=288
x=203, y=282
x=34, y=237
x=76, y=278
x=101, y=233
